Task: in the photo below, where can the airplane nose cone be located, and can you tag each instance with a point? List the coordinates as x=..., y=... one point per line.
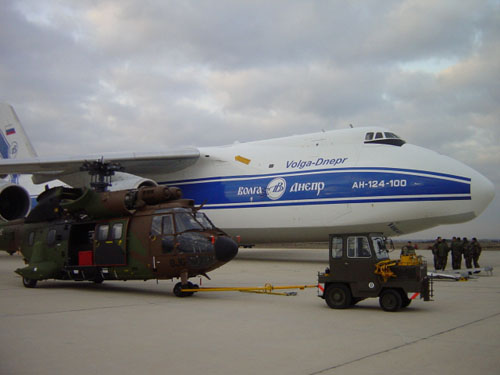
x=482, y=191
x=225, y=249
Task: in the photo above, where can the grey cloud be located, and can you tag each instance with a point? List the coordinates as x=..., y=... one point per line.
x=88, y=76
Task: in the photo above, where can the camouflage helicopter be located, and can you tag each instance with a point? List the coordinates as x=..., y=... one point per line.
x=86, y=234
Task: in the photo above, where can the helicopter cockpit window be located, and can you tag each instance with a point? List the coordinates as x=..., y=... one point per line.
x=358, y=247
x=185, y=221
x=156, y=226
x=117, y=231
x=31, y=239
x=380, y=248
x=204, y=221
x=168, y=225
x=102, y=232
x=51, y=237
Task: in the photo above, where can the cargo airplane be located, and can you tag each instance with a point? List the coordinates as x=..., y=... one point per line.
x=296, y=188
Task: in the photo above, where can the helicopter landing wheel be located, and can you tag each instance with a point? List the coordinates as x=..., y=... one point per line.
x=178, y=289
x=29, y=283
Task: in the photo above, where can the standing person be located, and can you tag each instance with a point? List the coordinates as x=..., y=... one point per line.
x=456, y=253
x=435, y=253
x=443, y=251
x=476, y=251
x=408, y=249
x=467, y=249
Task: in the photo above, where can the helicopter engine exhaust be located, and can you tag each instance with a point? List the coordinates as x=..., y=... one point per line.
x=15, y=202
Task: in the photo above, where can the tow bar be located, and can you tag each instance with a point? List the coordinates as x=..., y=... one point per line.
x=266, y=289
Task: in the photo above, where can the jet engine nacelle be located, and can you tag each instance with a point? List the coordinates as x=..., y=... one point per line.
x=15, y=202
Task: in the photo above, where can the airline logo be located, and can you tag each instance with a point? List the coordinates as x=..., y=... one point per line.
x=276, y=188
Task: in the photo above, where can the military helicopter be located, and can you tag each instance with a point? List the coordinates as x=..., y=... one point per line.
x=90, y=234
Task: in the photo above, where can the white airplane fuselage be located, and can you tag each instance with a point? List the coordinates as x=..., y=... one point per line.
x=303, y=188
x=298, y=188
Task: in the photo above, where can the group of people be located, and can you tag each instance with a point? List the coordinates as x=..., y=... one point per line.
x=470, y=250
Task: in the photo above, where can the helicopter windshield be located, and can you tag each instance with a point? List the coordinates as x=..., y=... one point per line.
x=379, y=248
x=187, y=221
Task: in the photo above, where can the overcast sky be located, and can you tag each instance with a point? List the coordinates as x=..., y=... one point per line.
x=93, y=76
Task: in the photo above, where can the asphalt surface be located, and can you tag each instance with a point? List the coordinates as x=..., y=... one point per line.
x=138, y=327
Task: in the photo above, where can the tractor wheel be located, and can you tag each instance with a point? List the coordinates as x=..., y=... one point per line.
x=338, y=296
x=29, y=283
x=390, y=300
x=405, y=301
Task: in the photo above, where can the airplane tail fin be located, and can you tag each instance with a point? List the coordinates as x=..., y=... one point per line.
x=14, y=143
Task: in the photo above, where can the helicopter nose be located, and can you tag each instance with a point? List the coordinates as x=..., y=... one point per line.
x=225, y=249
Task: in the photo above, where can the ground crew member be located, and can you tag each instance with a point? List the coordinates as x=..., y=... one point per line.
x=435, y=253
x=409, y=249
x=476, y=251
x=442, y=250
x=467, y=249
x=456, y=253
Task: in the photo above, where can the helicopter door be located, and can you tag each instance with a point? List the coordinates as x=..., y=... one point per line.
x=162, y=241
x=110, y=242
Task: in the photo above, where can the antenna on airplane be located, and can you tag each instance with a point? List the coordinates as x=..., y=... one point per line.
x=351, y=126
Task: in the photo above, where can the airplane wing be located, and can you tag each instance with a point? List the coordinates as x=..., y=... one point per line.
x=140, y=164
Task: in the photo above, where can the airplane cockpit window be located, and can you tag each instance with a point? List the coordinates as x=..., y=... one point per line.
x=385, y=138
x=358, y=247
x=380, y=248
x=390, y=135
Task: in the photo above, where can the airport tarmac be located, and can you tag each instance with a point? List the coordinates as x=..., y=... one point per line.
x=137, y=327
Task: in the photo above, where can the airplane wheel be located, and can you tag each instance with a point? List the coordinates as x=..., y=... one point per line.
x=338, y=296
x=178, y=289
x=390, y=300
x=29, y=283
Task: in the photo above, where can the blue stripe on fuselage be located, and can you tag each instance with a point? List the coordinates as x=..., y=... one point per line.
x=333, y=186
x=313, y=171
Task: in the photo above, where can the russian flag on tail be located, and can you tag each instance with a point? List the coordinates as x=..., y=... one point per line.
x=10, y=131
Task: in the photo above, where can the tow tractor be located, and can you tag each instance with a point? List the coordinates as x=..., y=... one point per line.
x=360, y=268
